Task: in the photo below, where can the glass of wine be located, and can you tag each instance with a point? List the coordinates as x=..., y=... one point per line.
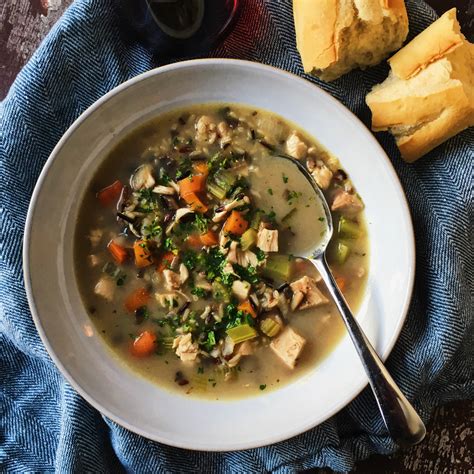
x=180, y=28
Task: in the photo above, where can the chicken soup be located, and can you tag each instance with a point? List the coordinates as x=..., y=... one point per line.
x=185, y=251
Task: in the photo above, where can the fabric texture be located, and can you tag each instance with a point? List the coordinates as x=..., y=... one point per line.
x=46, y=426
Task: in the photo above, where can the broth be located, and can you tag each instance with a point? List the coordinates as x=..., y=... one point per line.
x=282, y=199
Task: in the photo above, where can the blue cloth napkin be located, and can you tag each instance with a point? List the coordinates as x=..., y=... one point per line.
x=46, y=426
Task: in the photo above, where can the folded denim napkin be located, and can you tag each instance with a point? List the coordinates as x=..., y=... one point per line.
x=46, y=426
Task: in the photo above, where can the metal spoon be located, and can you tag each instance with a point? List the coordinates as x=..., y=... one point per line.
x=402, y=421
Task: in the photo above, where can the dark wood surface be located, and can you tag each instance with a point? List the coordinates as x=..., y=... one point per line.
x=448, y=447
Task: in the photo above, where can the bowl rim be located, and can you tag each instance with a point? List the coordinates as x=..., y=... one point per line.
x=410, y=242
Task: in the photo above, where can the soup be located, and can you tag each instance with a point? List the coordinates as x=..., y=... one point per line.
x=187, y=247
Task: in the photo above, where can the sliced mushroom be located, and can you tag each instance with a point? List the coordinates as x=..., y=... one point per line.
x=205, y=313
x=142, y=178
x=183, y=273
x=228, y=346
x=222, y=211
x=166, y=190
x=178, y=217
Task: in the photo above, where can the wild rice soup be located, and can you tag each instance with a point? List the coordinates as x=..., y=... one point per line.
x=184, y=247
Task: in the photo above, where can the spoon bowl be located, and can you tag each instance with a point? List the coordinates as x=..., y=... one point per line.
x=402, y=421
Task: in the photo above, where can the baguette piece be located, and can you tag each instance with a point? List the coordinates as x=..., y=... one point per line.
x=336, y=36
x=428, y=96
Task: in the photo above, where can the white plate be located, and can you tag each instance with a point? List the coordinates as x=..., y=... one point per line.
x=65, y=327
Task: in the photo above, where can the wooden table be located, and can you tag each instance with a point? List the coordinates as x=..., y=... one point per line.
x=448, y=446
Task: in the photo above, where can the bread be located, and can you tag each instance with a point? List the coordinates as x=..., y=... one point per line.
x=335, y=36
x=428, y=96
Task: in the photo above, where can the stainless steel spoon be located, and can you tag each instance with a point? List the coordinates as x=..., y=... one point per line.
x=402, y=421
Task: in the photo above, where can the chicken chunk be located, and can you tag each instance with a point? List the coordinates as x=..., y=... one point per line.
x=93, y=260
x=206, y=130
x=186, y=349
x=172, y=280
x=288, y=346
x=241, y=289
x=242, y=257
x=225, y=132
x=267, y=240
x=95, y=236
x=245, y=348
x=346, y=203
x=270, y=298
x=306, y=294
x=296, y=147
x=105, y=287
x=320, y=172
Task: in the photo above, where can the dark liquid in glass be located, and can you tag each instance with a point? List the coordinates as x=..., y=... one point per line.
x=180, y=28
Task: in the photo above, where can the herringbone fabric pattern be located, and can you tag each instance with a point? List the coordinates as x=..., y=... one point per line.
x=47, y=427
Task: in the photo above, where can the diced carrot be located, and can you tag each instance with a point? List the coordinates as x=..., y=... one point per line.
x=119, y=253
x=246, y=307
x=201, y=168
x=235, y=223
x=341, y=283
x=165, y=261
x=209, y=239
x=110, y=194
x=143, y=256
x=195, y=183
x=194, y=241
x=136, y=300
x=195, y=203
x=144, y=345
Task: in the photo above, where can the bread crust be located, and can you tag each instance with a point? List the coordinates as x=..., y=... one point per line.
x=322, y=25
x=422, y=109
x=440, y=38
x=321, y=20
x=406, y=111
x=447, y=125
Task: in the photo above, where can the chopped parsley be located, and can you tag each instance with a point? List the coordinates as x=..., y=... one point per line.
x=201, y=223
x=263, y=386
x=270, y=191
x=199, y=292
x=285, y=178
x=292, y=196
x=152, y=231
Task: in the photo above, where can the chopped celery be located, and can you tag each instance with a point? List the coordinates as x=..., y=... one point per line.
x=167, y=342
x=199, y=382
x=278, y=267
x=270, y=327
x=248, y=239
x=225, y=179
x=241, y=333
x=289, y=215
x=220, y=292
x=339, y=252
x=348, y=229
x=216, y=190
x=256, y=219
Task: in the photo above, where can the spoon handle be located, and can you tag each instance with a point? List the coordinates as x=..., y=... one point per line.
x=402, y=421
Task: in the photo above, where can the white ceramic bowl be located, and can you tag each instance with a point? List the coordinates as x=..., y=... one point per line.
x=65, y=327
